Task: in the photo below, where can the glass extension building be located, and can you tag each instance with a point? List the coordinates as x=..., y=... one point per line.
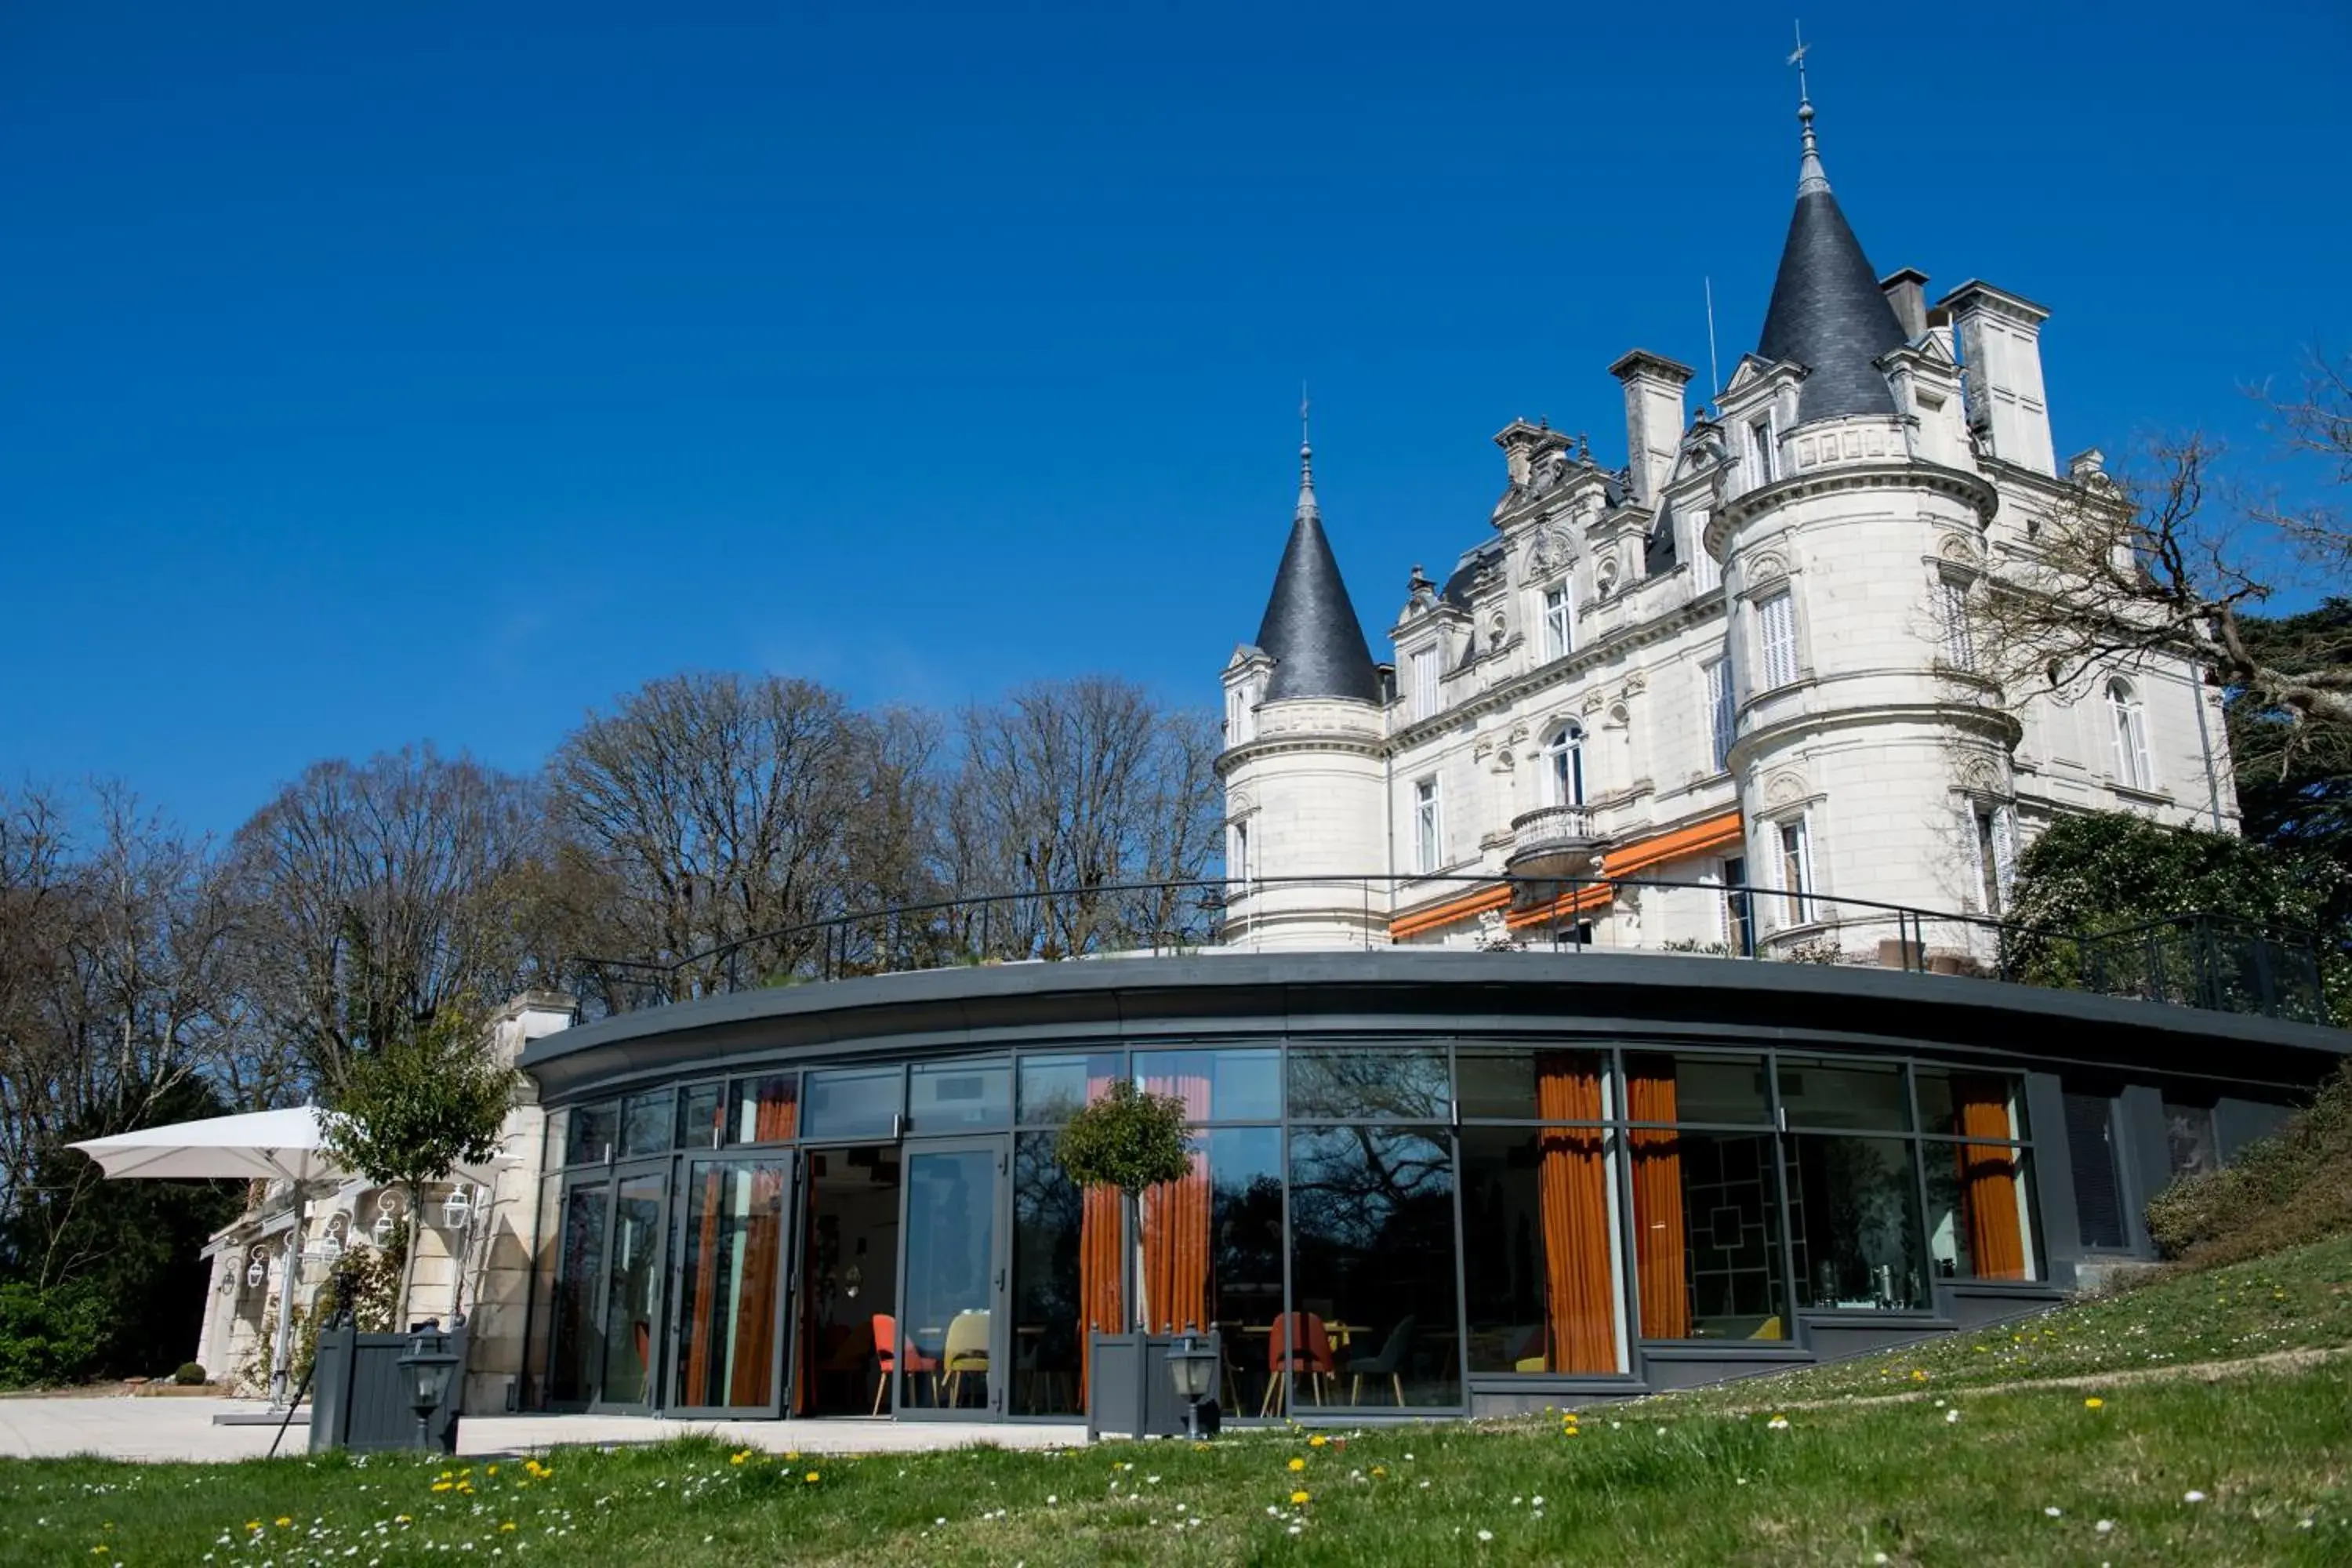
x=1423, y=1182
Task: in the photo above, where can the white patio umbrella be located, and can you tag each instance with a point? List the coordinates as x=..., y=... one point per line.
x=273, y=1145
x=287, y=1145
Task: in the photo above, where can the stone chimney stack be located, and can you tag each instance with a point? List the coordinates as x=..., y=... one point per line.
x=1908, y=291
x=2000, y=364
x=1654, y=418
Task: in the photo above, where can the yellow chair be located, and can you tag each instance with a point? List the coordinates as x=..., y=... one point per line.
x=967, y=1351
x=1769, y=1330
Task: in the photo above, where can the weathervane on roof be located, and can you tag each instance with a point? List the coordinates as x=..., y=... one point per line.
x=1809, y=177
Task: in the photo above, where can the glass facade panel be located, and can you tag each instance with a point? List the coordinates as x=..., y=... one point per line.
x=1358, y=1083
x=1245, y=1255
x=578, y=1348
x=595, y=1134
x=1066, y=1274
x=1054, y=1087
x=853, y=1102
x=1229, y=1085
x=1706, y=1234
x=731, y=1277
x=647, y=1121
x=1866, y=1096
x=701, y=1116
x=1500, y=1080
x=950, y=1251
x=766, y=1109
x=555, y=1150
x=1853, y=1223
x=1690, y=1087
x=633, y=1287
x=1374, y=1303
x=959, y=1097
x=2188, y=1138
x=1980, y=1217
x=1540, y=1250
x=1970, y=1104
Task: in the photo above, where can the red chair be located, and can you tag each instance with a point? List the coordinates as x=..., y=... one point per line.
x=895, y=1357
x=1298, y=1345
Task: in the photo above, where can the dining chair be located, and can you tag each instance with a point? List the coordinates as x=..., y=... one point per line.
x=1299, y=1343
x=966, y=1352
x=1390, y=1364
x=895, y=1357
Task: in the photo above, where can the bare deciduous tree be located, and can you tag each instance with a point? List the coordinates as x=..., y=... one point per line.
x=710, y=809
x=375, y=894
x=2153, y=563
x=1083, y=785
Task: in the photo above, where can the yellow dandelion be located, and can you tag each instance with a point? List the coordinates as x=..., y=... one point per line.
x=508, y=1525
x=441, y=1486
x=1298, y=1497
x=738, y=1456
x=491, y=1471
x=1317, y=1440
x=1298, y=1465
x=1378, y=1470
x=284, y=1522
x=791, y=1454
x=1918, y=1374
x=810, y=1477
x=253, y=1525
x=2093, y=1403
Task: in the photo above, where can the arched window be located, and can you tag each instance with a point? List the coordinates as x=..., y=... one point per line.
x=2128, y=721
x=1564, y=766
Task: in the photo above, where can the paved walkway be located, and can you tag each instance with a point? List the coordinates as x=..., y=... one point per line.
x=182, y=1428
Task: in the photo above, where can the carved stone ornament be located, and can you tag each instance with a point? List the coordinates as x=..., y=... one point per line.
x=1608, y=573
x=1783, y=789
x=1766, y=567
x=1549, y=553
x=1958, y=550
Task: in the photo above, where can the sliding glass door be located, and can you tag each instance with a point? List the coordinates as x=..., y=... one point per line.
x=730, y=1329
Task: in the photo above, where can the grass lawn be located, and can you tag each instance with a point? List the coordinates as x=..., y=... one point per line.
x=2252, y=1470
x=2297, y=1299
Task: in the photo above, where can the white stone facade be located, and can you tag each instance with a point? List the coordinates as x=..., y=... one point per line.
x=1738, y=657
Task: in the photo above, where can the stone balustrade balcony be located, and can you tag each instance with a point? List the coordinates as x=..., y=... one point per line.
x=1554, y=841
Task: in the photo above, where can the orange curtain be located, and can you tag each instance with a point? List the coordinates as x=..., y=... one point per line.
x=1176, y=1229
x=1659, y=1233
x=1988, y=1179
x=1572, y=1186
x=1100, y=1260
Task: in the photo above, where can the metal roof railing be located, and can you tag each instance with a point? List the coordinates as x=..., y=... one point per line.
x=2194, y=959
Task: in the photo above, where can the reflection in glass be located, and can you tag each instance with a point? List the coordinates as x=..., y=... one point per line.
x=595, y=1129
x=1372, y=1277
x=766, y=1108
x=1242, y=1085
x=629, y=1298
x=1500, y=1080
x=1853, y=1223
x=645, y=1123
x=1065, y=1279
x=950, y=1247
x=701, y=1117
x=731, y=1266
x=853, y=1102
x=1971, y=1104
x=579, y=1277
x=1980, y=1217
x=1054, y=1087
x=1539, y=1256
x=965, y=1097
x=1866, y=1094
x=1701, y=1088
x=1355, y=1083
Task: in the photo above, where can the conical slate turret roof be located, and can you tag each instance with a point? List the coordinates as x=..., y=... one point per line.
x=1828, y=313
x=1310, y=627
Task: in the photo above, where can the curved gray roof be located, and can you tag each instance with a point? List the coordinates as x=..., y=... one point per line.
x=1828, y=313
x=1310, y=626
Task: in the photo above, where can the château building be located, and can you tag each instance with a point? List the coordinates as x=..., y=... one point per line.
x=1741, y=659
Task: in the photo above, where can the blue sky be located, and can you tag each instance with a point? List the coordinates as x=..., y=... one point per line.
x=377, y=373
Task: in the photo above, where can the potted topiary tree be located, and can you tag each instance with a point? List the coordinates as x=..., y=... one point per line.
x=1128, y=1140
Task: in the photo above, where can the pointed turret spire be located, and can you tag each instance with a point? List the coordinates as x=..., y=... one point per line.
x=1828, y=313
x=1310, y=626
x=1306, y=507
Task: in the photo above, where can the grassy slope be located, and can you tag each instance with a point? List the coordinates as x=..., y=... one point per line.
x=1675, y=1480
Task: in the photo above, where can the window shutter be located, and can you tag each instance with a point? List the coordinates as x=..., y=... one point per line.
x=1720, y=709
x=2090, y=1153
x=1777, y=634
x=2004, y=849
